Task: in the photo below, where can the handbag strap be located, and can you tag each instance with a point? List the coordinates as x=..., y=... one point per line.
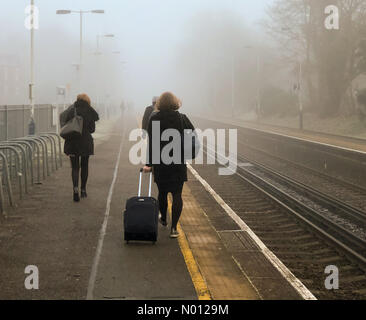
x=75, y=113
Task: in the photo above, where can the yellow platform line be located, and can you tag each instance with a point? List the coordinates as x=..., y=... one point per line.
x=203, y=293
x=199, y=283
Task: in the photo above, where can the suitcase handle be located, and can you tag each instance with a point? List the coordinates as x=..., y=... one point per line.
x=140, y=180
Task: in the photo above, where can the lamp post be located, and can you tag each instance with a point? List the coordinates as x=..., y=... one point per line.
x=108, y=96
x=81, y=13
x=259, y=106
x=98, y=53
x=233, y=76
x=232, y=85
x=32, y=125
x=299, y=88
x=301, y=118
x=258, y=63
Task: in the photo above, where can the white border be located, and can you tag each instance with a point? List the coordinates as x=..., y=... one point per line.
x=102, y=233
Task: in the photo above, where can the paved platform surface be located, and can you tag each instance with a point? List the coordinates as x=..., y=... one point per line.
x=61, y=237
x=230, y=251
x=80, y=252
x=224, y=278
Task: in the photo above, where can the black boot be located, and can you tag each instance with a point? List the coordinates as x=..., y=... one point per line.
x=76, y=195
x=163, y=222
x=83, y=193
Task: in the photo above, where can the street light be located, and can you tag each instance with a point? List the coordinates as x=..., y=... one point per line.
x=233, y=78
x=63, y=11
x=32, y=125
x=108, y=109
x=80, y=12
x=299, y=88
x=233, y=63
x=258, y=83
x=232, y=85
x=98, y=54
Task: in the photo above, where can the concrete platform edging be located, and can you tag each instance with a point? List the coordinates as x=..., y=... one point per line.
x=269, y=255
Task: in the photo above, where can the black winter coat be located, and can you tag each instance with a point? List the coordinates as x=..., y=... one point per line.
x=83, y=146
x=146, y=118
x=173, y=173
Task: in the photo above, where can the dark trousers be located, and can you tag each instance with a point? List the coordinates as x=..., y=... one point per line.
x=78, y=163
x=177, y=205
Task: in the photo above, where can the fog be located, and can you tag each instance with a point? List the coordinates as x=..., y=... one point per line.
x=162, y=45
x=234, y=58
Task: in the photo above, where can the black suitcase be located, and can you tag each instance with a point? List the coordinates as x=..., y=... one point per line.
x=141, y=217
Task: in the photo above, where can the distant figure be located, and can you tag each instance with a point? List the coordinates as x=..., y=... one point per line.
x=169, y=178
x=80, y=149
x=148, y=112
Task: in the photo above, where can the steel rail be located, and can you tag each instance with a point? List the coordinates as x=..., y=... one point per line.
x=2, y=199
x=23, y=163
x=59, y=144
x=44, y=150
x=5, y=172
x=30, y=148
x=17, y=166
x=44, y=140
x=349, y=242
x=325, y=199
x=52, y=150
x=37, y=145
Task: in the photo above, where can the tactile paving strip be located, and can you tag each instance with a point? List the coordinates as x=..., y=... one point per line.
x=223, y=276
x=236, y=245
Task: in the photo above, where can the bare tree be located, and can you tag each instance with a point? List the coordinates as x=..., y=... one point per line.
x=329, y=56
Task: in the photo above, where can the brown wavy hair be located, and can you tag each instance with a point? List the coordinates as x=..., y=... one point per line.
x=84, y=97
x=168, y=101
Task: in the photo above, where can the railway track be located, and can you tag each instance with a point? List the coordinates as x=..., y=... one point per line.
x=307, y=229
x=342, y=161
x=339, y=222
x=348, y=193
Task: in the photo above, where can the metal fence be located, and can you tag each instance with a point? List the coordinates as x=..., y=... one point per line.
x=27, y=161
x=14, y=120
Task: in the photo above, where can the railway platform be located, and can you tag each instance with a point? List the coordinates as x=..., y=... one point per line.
x=79, y=250
x=346, y=142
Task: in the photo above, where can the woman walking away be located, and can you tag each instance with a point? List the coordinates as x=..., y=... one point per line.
x=79, y=149
x=169, y=178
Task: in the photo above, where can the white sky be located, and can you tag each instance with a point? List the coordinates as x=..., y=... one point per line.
x=142, y=28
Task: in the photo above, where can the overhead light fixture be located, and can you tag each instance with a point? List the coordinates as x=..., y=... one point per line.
x=63, y=11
